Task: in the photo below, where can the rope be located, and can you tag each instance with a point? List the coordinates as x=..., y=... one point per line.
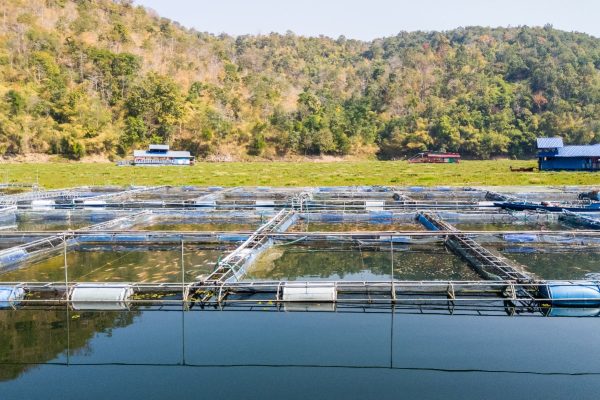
x=289, y=243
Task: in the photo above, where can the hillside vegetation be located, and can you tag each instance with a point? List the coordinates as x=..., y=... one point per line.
x=99, y=77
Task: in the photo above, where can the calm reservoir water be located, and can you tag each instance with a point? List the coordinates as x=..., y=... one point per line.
x=60, y=354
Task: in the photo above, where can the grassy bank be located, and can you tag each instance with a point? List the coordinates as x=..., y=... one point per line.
x=56, y=175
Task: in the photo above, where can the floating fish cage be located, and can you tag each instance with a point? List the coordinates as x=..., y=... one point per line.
x=298, y=248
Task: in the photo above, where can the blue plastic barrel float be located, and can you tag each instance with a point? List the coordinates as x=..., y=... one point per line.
x=571, y=294
x=10, y=295
x=572, y=312
x=10, y=257
x=232, y=238
x=521, y=238
x=427, y=224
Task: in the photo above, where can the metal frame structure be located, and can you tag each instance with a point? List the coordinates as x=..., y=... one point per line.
x=504, y=281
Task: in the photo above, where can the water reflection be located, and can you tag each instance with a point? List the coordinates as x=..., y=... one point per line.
x=511, y=226
x=31, y=337
x=121, y=264
x=344, y=262
x=202, y=227
x=356, y=347
x=348, y=226
x=556, y=262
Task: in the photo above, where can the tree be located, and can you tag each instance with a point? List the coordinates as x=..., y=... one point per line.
x=16, y=102
x=71, y=147
x=258, y=143
x=158, y=102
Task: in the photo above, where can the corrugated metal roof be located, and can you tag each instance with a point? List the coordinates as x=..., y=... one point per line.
x=549, y=143
x=579, y=151
x=171, y=153
x=160, y=147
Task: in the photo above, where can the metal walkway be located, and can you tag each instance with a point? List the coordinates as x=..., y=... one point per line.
x=120, y=222
x=486, y=263
x=233, y=266
x=305, y=292
x=494, y=196
x=211, y=198
x=123, y=194
x=13, y=199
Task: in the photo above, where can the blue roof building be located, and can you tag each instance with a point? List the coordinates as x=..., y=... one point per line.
x=553, y=155
x=160, y=154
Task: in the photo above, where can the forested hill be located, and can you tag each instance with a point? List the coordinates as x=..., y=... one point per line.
x=100, y=77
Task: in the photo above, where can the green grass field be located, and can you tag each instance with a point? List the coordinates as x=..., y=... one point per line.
x=57, y=175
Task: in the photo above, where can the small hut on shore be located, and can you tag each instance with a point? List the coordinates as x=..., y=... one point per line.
x=160, y=154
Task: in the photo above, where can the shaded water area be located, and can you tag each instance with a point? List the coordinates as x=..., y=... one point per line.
x=58, y=225
x=121, y=264
x=345, y=262
x=512, y=226
x=557, y=261
x=294, y=355
x=199, y=226
x=57, y=221
x=5, y=191
x=316, y=226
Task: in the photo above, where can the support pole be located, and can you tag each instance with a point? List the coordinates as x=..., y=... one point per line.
x=183, y=295
x=66, y=267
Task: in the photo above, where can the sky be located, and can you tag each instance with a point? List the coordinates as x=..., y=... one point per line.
x=369, y=19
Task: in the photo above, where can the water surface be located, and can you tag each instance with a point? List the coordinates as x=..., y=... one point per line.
x=120, y=264
x=557, y=262
x=511, y=226
x=339, y=262
x=200, y=226
x=295, y=355
x=316, y=226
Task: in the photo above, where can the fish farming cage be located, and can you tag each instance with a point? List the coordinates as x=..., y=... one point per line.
x=199, y=246
x=475, y=298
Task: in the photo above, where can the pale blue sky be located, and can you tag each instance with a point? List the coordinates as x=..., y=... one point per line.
x=368, y=19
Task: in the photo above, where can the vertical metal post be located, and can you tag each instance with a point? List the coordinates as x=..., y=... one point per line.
x=66, y=267
x=183, y=297
x=68, y=334
x=67, y=299
x=392, y=337
x=392, y=267
x=183, y=304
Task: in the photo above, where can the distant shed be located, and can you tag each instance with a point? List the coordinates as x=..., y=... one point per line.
x=433, y=157
x=160, y=154
x=553, y=155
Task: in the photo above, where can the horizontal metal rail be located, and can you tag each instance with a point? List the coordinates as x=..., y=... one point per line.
x=8, y=210
x=348, y=292
x=40, y=195
x=108, y=225
x=319, y=234
x=123, y=193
